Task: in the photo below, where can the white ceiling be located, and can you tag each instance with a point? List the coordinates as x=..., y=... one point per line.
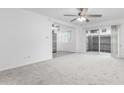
x=57, y=13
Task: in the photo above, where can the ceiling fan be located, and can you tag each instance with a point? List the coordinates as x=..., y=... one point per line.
x=82, y=16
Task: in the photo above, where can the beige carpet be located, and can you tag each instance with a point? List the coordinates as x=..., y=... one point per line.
x=89, y=69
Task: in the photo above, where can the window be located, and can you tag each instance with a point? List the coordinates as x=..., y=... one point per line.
x=66, y=36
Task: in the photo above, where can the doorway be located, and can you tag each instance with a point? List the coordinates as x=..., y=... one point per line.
x=54, y=42
x=62, y=37
x=55, y=29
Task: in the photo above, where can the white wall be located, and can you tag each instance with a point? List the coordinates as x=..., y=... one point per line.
x=25, y=38
x=81, y=40
x=121, y=41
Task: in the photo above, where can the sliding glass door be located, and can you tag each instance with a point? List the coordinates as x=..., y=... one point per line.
x=99, y=40
x=105, y=43
x=93, y=43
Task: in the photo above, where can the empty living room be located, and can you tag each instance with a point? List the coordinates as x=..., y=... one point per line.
x=61, y=46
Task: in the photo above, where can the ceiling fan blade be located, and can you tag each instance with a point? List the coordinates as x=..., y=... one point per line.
x=70, y=15
x=94, y=15
x=73, y=19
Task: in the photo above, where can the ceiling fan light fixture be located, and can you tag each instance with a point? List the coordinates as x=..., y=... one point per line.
x=81, y=19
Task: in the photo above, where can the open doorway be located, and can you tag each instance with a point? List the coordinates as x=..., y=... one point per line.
x=55, y=29
x=61, y=40
x=54, y=42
